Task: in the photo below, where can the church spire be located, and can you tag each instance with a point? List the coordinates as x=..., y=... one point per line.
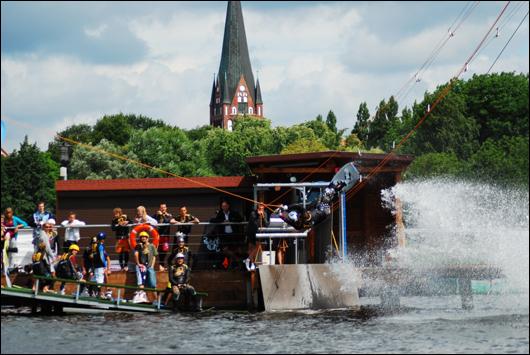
x=235, y=60
x=236, y=93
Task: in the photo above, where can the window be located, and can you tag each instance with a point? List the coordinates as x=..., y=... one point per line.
x=242, y=107
x=234, y=111
x=259, y=110
x=226, y=110
x=229, y=125
x=250, y=111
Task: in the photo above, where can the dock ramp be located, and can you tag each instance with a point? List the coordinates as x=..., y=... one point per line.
x=309, y=286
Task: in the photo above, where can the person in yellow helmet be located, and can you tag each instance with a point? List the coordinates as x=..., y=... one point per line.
x=145, y=255
x=67, y=267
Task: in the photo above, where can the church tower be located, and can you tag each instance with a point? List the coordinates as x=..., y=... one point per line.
x=234, y=91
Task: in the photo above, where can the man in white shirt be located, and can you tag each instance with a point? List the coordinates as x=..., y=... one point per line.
x=71, y=233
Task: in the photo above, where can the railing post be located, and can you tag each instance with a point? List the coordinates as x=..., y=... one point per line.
x=159, y=300
x=118, y=298
x=77, y=291
x=296, y=250
x=343, y=242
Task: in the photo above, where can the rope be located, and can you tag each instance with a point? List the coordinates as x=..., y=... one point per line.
x=440, y=97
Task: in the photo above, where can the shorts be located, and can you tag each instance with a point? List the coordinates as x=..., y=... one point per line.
x=99, y=275
x=122, y=246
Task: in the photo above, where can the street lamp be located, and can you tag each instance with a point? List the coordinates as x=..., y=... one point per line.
x=65, y=158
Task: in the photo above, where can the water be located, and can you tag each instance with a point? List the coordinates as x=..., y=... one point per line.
x=447, y=223
x=424, y=325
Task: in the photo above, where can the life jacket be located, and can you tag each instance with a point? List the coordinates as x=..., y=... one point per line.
x=64, y=268
x=39, y=265
x=180, y=273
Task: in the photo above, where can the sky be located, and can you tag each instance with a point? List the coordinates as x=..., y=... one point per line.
x=68, y=63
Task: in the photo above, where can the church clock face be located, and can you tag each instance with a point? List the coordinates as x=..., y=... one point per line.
x=242, y=88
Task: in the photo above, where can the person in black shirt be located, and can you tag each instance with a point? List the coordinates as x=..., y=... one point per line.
x=162, y=216
x=121, y=231
x=231, y=237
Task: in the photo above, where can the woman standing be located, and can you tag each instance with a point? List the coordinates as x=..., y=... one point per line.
x=11, y=224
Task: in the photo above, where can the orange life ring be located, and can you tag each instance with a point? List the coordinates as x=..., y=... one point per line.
x=144, y=228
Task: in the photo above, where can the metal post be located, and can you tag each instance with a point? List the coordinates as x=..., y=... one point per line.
x=343, y=241
x=296, y=250
x=118, y=298
x=77, y=292
x=159, y=300
x=270, y=252
x=36, y=287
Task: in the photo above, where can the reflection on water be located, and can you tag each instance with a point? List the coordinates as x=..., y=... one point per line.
x=424, y=324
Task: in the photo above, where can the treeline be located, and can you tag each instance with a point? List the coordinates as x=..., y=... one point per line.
x=479, y=131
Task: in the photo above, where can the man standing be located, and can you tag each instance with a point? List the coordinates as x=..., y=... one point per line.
x=71, y=233
x=162, y=216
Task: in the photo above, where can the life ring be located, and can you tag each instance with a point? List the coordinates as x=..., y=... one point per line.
x=144, y=228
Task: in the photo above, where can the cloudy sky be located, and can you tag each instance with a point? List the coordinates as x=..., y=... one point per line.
x=66, y=63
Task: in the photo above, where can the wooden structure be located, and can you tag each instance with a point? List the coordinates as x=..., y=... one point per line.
x=369, y=224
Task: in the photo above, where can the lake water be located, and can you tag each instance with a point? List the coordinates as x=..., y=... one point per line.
x=497, y=324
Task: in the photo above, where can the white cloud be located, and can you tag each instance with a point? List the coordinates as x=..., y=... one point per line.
x=310, y=59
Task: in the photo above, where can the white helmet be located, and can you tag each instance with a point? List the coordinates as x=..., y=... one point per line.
x=180, y=255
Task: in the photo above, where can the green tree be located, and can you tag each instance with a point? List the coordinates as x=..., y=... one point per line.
x=361, y=124
x=447, y=129
x=503, y=161
x=435, y=164
x=28, y=176
x=304, y=145
x=499, y=104
x=92, y=164
x=331, y=121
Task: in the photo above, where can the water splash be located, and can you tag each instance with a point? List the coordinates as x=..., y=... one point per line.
x=455, y=223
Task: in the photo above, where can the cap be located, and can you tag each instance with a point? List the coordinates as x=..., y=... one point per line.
x=73, y=247
x=180, y=256
x=101, y=235
x=144, y=234
x=181, y=239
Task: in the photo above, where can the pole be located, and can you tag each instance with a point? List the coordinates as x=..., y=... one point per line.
x=343, y=225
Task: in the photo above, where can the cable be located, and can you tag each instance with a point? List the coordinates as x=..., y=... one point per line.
x=503, y=48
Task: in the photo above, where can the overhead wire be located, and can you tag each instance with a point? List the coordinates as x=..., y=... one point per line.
x=445, y=91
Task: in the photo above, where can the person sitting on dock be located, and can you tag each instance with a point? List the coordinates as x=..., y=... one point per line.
x=145, y=257
x=101, y=262
x=121, y=231
x=179, y=277
x=67, y=267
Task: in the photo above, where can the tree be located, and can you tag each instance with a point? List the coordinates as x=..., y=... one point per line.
x=503, y=161
x=28, y=176
x=435, y=164
x=361, y=124
x=499, y=104
x=447, y=128
x=304, y=145
x=79, y=132
x=331, y=121
x=92, y=164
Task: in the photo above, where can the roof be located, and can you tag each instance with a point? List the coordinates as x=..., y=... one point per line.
x=153, y=183
x=306, y=162
x=235, y=60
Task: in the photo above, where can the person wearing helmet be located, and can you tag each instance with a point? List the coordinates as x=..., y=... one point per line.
x=101, y=261
x=179, y=277
x=67, y=267
x=183, y=249
x=145, y=255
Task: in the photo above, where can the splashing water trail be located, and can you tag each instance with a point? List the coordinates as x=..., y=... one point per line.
x=457, y=223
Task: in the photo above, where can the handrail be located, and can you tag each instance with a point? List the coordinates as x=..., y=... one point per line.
x=90, y=283
x=137, y=224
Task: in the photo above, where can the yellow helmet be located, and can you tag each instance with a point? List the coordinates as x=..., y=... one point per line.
x=74, y=247
x=144, y=234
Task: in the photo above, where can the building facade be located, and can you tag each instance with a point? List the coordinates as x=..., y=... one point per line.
x=234, y=91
